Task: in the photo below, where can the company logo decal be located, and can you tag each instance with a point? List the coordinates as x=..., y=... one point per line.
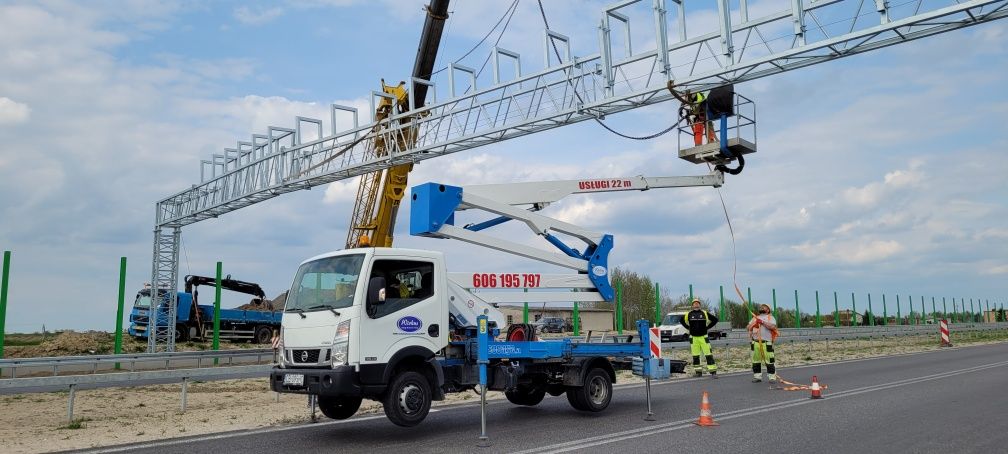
x=410, y=324
x=599, y=270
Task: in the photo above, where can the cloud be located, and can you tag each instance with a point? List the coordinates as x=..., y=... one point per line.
x=13, y=112
x=248, y=16
x=851, y=252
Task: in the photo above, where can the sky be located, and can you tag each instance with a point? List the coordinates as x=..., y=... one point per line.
x=879, y=174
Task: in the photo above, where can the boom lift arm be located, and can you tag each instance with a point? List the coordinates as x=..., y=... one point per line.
x=433, y=215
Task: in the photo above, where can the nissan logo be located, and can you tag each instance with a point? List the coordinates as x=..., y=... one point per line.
x=304, y=356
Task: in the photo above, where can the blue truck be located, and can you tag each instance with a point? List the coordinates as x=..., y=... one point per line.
x=253, y=322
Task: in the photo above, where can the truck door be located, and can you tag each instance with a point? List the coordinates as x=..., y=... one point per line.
x=412, y=314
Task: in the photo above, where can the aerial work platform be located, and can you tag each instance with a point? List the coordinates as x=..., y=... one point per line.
x=711, y=152
x=722, y=132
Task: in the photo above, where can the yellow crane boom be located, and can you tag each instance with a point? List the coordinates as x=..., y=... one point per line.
x=380, y=193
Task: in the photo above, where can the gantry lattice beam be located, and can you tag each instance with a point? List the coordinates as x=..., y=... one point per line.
x=570, y=89
x=578, y=89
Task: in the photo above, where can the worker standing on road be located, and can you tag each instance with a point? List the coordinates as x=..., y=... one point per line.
x=698, y=321
x=763, y=330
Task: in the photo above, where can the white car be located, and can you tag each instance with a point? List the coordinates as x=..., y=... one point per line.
x=672, y=330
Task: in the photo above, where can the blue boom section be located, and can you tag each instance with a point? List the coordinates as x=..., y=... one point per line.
x=434, y=206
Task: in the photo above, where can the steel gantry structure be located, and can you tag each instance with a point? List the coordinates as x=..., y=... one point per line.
x=569, y=89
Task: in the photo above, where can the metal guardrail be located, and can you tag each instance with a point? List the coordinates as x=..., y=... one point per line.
x=71, y=382
x=150, y=361
x=740, y=336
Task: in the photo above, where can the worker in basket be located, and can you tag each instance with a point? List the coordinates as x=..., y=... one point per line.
x=698, y=321
x=763, y=331
x=694, y=112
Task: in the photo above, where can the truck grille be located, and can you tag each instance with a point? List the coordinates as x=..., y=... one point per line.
x=305, y=356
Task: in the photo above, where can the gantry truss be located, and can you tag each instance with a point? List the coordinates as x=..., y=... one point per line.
x=570, y=89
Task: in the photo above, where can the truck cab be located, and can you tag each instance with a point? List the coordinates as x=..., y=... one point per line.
x=354, y=318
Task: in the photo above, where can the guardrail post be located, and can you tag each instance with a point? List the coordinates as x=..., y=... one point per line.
x=577, y=321
x=836, y=311
x=871, y=315
x=216, y=310
x=818, y=317
x=119, y=312
x=797, y=310
x=4, y=281
x=854, y=314
x=721, y=313
x=185, y=388
x=70, y=403
x=885, y=312
x=619, y=307
x=657, y=305
x=776, y=315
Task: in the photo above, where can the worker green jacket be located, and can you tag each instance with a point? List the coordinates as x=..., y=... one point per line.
x=698, y=322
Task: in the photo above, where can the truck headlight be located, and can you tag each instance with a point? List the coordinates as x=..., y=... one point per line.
x=282, y=360
x=341, y=343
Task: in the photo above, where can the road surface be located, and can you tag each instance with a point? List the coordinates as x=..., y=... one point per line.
x=944, y=401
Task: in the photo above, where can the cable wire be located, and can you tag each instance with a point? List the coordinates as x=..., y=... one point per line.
x=578, y=95
x=509, y=11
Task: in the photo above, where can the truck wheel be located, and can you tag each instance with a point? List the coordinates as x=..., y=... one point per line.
x=596, y=393
x=407, y=399
x=181, y=333
x=526, y=395
x=341, y=407
x=263, y=335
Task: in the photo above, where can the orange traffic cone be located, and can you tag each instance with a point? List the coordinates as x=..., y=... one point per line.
x=816, y=391
x=706, y=419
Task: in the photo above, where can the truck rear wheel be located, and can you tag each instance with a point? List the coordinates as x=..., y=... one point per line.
x=341, y=407
x=528, y=395
x=263, y=335
x=407, y=399
x=595, y=394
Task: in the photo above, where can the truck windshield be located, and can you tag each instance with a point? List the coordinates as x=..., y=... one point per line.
x=142, y=301
x=672, y=319
x=328, y=283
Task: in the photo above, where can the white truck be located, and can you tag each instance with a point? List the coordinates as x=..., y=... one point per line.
x=393, y=325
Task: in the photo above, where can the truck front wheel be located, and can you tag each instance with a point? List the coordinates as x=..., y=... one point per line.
x=528, y=395
x=339, y=407
x=595, y=394
x=407, y=399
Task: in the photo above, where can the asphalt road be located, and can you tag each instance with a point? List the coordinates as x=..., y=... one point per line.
x=945, y=401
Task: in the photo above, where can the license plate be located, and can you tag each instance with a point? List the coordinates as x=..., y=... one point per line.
x=293, y=379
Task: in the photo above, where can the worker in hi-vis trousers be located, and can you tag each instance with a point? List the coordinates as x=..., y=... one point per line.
x=763, y=330
x=698, y=321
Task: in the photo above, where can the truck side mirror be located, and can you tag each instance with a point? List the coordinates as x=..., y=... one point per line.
x=376, y=291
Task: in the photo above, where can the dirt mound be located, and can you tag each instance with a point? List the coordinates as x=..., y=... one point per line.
x=273, y=305
x=68, y=343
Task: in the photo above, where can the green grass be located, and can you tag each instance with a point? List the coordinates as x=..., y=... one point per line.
x=76, y=424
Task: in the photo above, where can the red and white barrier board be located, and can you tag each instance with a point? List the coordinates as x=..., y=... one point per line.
x=655, y=339
x=943, y=326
